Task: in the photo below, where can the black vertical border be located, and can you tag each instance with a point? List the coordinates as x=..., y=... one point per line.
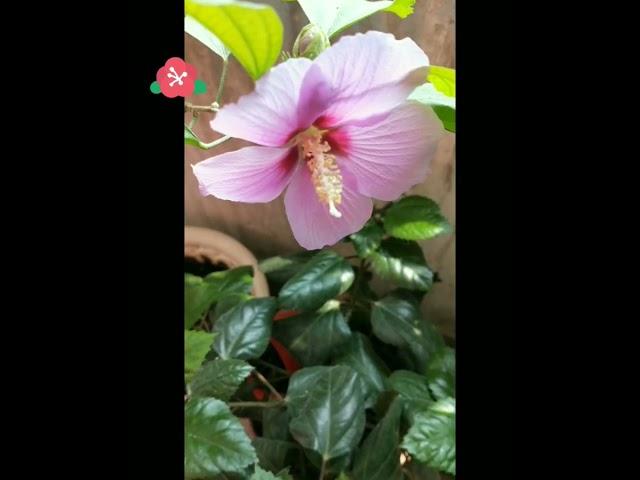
x=483, y=252
x=154, y=165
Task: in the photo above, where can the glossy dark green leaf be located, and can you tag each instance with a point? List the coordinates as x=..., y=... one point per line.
x=314, y=336
x=271, y=453
x=227, y=302
x=332, y=466
x=413, y=390
x=327, y=409
x=215, y=441
x=402, y=262
x=219, y=378
x=432, y=437
x=281, y=268
x=398, y=321
x=324, y=277
x=415, y=218
x=243, y=332
x=196, y=346
x=368, y=239
x=379, y=456
x=275, y=423
x=441, y=373
x=359, y=355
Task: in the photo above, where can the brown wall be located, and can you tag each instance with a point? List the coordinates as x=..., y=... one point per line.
x=263, y=228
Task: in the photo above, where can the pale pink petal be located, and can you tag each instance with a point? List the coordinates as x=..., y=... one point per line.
x=370, y=73
x=269, y=115
x=312, y=225
x=390, y=154
x=251, y=174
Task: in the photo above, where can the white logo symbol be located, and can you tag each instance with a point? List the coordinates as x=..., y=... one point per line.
x=175, y=77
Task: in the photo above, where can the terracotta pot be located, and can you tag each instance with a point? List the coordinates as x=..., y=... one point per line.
x=216, y=247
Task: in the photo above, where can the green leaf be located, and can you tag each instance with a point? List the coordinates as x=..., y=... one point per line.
x=251, y=31
x=443, y=79
x=205, y=36
x=441, y=373
x=219, y=378
x=447, y=116
x=314, y=336
x=196, y=346
x=333, y=16
x=275, y=423
x=368, y=239
x=272, y=453
x=244, y=331
x=229, y=301
x=324, y=277
x=191, y=138
x=327, y=409
x=432, y=437
x=200, y=293
x=415, y=218
x=413, y=390
x=402, y=263
x=155, y=87
x=379, y=456
x=215, y=441
x=402, y=8
x=443, y=105
x=199, y=87
x=360, y=356
x=397, y=321
x=331, y=467
x=198, y=297
x=236, y=280
x=279, y=269
x=260, y=474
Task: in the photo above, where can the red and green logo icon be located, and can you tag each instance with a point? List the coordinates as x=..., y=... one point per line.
x=177, y=78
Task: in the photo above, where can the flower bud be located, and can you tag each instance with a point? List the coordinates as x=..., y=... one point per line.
x=310, y=43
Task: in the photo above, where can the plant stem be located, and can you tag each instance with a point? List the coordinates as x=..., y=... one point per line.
x=193, y=121
x=254, y=404
x=273, y=367
x=215, y=143
x=322, y=467
x=223, y=77
x=268, y=385
x=189, y=107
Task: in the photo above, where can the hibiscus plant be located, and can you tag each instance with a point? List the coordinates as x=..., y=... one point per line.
x=329, y=378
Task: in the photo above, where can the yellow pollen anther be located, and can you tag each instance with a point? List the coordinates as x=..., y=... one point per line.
x=325, y=173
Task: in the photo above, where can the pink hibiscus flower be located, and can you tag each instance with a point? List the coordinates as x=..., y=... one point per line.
x=176, y=78
x=336, y=132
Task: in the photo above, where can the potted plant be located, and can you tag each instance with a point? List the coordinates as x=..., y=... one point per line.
x=337, y=380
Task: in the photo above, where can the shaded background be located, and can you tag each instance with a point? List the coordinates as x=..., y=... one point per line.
x=263, y=228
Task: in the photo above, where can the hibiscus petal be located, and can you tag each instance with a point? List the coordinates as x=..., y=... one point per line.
x=390, y=154
x=370, y=73
x=269, y=115
x=251, y=174
x=312, y=225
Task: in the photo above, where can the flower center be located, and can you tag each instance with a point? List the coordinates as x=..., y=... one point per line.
x=325, y=174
